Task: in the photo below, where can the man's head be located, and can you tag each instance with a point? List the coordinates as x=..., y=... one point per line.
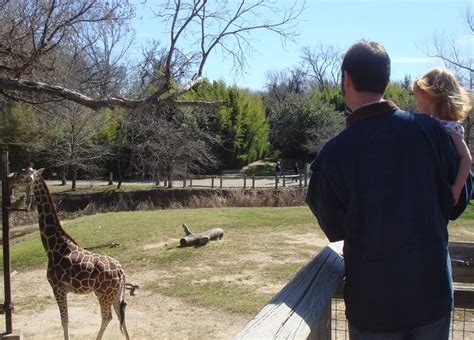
x=367, y=64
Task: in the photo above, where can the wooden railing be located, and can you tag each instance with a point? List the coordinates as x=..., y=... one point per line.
x=303, y=308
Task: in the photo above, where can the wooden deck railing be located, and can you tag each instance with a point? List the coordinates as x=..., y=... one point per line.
x=303, y=308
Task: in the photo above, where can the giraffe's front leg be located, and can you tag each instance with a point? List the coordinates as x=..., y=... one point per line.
x=61, y=298
x=106, y=312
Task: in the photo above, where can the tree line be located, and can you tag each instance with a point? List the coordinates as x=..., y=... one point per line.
x=72, y=100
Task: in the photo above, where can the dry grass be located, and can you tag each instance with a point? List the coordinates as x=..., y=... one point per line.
x=251, y=198
x=218, y=199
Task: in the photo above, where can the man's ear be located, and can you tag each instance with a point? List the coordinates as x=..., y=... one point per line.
x=40, y=171
x=347, y=81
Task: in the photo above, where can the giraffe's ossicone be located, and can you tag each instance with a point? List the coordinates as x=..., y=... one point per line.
x=71, y=268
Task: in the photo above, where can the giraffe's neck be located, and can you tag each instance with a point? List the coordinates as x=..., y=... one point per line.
x=52, y=233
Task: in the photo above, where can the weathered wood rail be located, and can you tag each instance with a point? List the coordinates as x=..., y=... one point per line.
x=297, y=308
x=302, y=309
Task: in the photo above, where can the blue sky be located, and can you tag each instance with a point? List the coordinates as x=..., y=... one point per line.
x=405, y=27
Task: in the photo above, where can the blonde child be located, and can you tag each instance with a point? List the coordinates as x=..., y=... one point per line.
x=439, y=94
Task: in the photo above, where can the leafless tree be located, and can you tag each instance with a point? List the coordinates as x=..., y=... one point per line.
x=282, y=83
x=167, y=149
x=32, y=33
x=323, y=65
x=74, y=146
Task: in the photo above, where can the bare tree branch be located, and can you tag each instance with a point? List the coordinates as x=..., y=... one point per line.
x=97, y=104
x=42, y=42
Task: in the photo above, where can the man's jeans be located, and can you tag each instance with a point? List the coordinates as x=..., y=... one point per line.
x=438, y=330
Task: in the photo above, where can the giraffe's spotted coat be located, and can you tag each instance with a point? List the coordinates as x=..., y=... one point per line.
x=71, y=268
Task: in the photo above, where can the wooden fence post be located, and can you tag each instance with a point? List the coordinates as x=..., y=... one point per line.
x=184, y=182
x=300, y=179
x=190, y=181
x=245, y=182
x=284, y=180
x=253, y=181
x=276, y=182
x=111, y=178
x=305, y=179
x=220, y=185
x=212, y=182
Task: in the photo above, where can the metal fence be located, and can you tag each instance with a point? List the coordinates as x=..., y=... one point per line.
x=462, y=322
x=462, y=317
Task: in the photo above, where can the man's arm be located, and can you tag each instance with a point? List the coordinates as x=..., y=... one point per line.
x=325, y=204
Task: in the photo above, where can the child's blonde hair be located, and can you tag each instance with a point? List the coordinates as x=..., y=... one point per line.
x=452, y=101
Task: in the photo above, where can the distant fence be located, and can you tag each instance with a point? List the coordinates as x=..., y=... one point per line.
x=242, y=181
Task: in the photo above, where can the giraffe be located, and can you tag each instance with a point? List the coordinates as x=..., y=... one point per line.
x=71, y=268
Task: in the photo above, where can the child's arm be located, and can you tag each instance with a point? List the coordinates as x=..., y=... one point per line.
x=465, y=162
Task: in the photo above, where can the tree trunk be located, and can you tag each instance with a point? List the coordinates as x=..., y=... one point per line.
x=200, y=239
x=74, y=179
x=63, y=176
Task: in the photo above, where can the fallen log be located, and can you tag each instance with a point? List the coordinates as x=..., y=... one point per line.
x=200, y=239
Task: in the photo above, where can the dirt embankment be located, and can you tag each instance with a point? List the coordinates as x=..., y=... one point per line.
x=194, y=198
x=159, y=198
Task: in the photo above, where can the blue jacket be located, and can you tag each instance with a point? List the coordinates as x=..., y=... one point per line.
x=383, y=185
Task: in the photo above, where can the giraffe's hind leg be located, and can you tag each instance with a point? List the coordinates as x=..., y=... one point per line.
x=106, y=312
x=61, y=299
x=119, y=307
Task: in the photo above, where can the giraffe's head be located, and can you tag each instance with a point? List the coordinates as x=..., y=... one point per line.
x=24, y=177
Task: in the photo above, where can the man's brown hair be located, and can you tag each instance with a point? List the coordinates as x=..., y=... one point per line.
x=368, y=65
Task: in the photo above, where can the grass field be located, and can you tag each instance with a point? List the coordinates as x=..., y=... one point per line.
x=262, y=249
x=183, y=291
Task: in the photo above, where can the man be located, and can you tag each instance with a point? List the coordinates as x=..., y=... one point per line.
x=383, y=185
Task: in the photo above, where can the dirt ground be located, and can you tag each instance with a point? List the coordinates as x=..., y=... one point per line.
x=148, y=316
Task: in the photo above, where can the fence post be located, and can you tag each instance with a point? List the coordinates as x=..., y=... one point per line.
x=300, y=179
x=184, y=182
x=276, y=182
x=253, y=181
x=220, y=185
x=305, y=179
x=212, y=182
x=111, y=178
x=8, y=305
x=245, y=182
x=284, y=180
x=190, y=181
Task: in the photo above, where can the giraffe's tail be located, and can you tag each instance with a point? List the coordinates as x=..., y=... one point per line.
x=123, y=304
x=122, y=314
